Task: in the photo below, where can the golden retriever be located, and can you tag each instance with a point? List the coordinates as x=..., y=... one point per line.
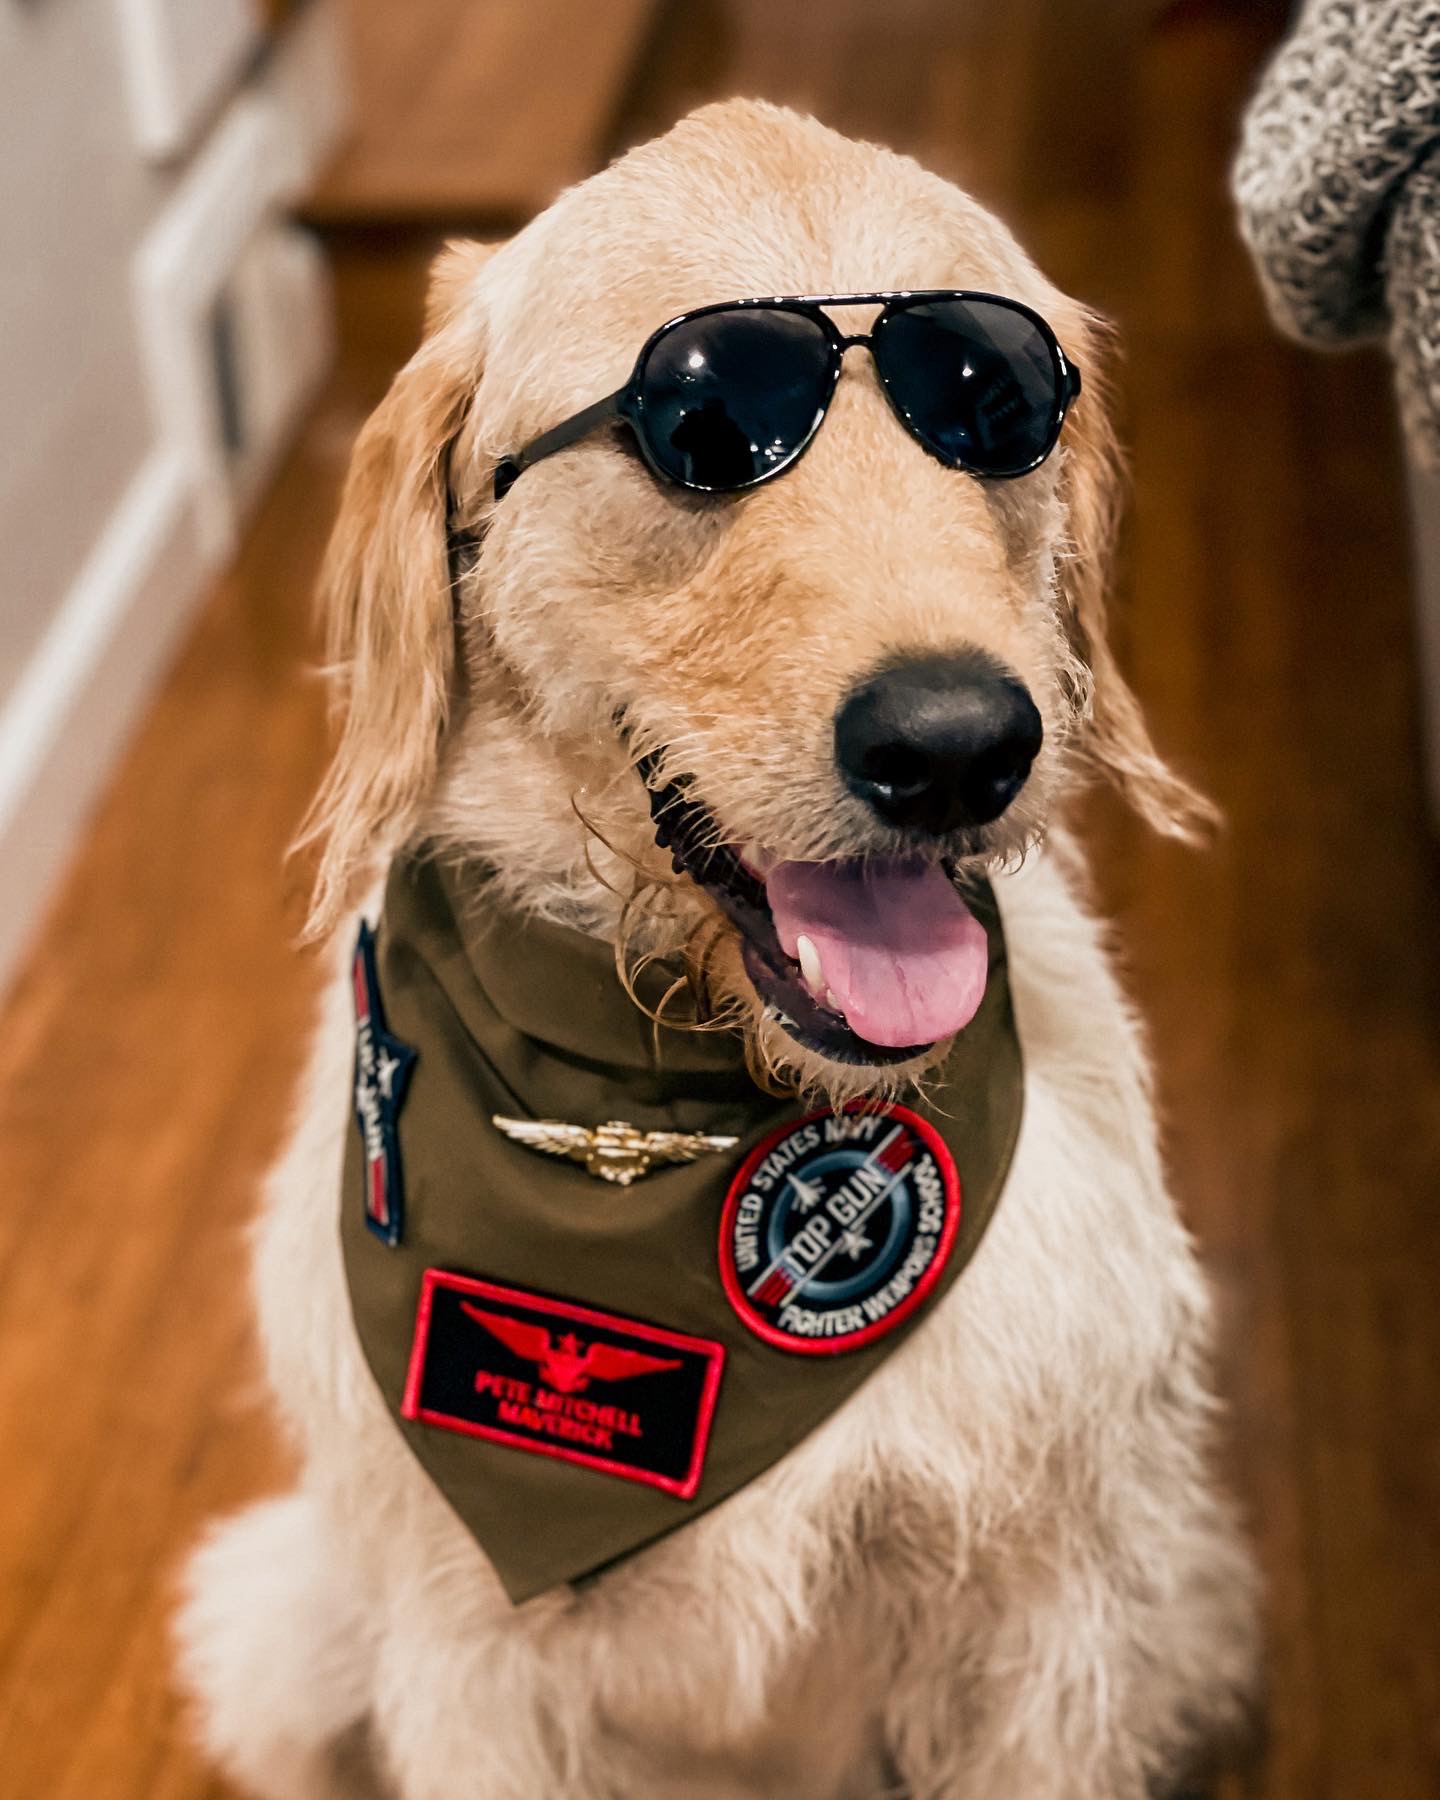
x=1002, y=1569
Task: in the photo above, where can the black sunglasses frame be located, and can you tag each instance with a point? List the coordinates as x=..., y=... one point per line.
x=627, y=404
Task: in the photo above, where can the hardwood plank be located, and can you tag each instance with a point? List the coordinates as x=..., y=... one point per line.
x=477, y=111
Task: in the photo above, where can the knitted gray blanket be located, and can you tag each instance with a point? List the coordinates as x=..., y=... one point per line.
x=1338, y=183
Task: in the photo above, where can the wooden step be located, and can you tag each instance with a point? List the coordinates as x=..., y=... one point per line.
x=474, y=114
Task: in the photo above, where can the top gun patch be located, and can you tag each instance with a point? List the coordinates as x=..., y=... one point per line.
x=383, y=1066
x=837, y=1226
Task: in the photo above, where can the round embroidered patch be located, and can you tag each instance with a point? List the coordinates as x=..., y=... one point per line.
x=837, y=1226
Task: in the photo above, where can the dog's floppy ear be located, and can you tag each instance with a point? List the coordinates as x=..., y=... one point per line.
x=452, y=277
x=1115, y=736
x=385, y=594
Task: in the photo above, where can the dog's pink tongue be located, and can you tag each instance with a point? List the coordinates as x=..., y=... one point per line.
x=902, y=954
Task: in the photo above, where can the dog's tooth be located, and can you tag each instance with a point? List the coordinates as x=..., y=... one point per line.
x=810, y=968
x=832, y=1001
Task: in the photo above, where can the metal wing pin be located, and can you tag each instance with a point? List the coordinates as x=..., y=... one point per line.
x=613, y=1151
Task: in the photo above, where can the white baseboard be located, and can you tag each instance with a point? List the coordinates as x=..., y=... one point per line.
x=82, y=690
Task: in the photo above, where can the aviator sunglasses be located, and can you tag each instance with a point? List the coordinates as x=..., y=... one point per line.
x=725, y=397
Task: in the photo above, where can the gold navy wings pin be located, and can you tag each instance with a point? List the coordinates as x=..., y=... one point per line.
x=613, y=1151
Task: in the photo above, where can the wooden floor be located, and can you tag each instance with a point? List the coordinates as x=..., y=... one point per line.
x=477, y=112
x=1292, y=975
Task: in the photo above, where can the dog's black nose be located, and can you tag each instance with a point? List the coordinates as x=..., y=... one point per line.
x=937, y=743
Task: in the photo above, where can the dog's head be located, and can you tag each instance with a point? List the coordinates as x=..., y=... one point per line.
x=832, y=695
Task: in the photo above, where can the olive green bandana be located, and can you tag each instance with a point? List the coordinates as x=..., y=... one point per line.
x=584, y=1339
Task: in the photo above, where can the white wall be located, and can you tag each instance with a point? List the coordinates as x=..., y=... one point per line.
x=75, y=201
x=115, y=506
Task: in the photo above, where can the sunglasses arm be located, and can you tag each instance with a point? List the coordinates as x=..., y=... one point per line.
x=509, y=469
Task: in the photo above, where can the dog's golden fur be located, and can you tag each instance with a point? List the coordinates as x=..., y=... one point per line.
x=1001, y=1568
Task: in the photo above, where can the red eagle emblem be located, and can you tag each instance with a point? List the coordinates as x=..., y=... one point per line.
x=565, y=1366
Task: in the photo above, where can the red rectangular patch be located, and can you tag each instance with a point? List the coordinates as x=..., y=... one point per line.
x=563, y=1380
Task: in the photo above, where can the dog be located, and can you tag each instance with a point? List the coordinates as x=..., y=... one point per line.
x=1003, y=1566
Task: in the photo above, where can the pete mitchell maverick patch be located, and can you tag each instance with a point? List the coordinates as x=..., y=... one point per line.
x=837, y=1227
x=563, y=1380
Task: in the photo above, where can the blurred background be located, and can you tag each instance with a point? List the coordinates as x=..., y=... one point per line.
x=216, y=217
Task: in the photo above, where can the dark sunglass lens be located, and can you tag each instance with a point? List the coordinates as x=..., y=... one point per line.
x=978, y=382
x=728, y=398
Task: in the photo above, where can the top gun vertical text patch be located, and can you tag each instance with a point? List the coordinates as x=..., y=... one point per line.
x=383, y=1066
